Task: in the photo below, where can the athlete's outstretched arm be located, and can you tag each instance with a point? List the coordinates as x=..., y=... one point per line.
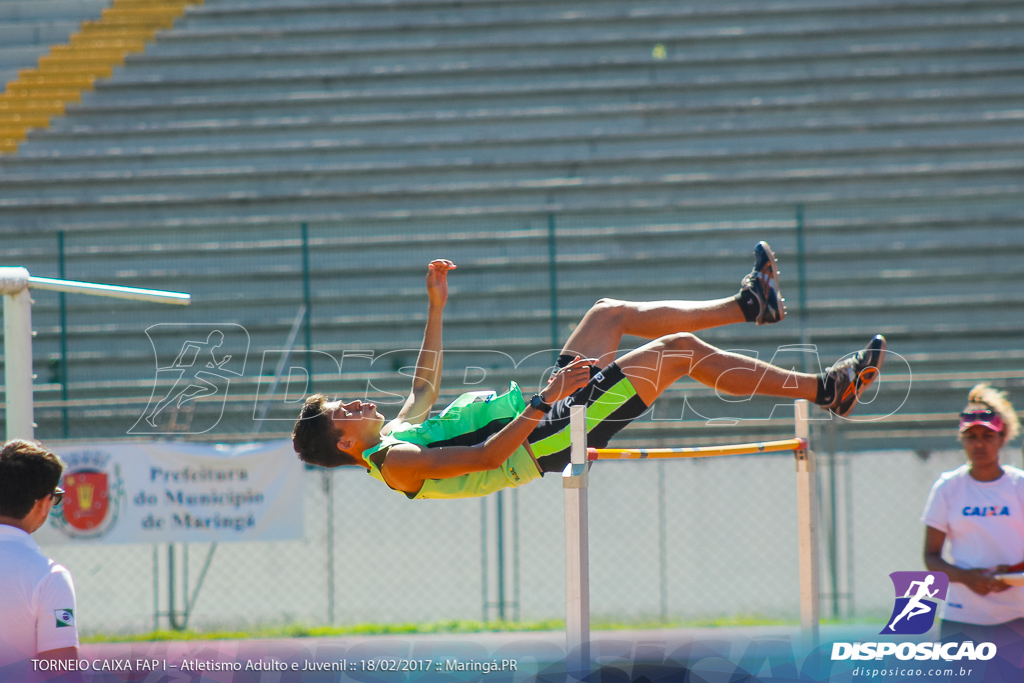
x=426, y=382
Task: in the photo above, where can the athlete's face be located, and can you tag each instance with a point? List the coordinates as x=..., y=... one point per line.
x=982, y=445
x=356, y=422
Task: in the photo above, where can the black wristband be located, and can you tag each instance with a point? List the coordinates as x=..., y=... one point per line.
x=540, y=404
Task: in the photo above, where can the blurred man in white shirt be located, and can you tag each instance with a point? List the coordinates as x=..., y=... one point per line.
x=37, y=596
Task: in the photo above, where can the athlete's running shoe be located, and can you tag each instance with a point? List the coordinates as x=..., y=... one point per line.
x=763, y=283
x=850, y=377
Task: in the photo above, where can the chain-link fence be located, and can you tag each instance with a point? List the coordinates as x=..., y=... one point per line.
x=348, y=301
x=678, y=540
x=690, y=540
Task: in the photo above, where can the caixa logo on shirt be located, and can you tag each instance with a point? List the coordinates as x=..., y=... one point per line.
x=989, y=511
x=94, y=494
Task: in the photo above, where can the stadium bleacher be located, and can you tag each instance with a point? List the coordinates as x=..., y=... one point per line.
x=642, y=147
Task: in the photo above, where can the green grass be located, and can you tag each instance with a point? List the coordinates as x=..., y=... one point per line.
x=440, y=627
x=305, y=631
x=719, y=622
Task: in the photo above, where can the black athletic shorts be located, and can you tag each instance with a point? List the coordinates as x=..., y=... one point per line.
x=612, y=403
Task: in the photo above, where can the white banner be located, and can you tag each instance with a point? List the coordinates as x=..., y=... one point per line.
x=168, y=492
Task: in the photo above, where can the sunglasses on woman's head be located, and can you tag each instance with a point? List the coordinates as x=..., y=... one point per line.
x=984, y=417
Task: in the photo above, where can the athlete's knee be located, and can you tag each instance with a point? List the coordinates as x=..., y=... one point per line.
x=678, y=351
x=609, y=306
x=679, y=341
x=608, y=311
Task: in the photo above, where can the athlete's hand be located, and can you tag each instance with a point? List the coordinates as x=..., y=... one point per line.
x=565, y=381
x=437, y=281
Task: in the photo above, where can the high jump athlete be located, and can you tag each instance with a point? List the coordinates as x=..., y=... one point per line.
x=478, y=446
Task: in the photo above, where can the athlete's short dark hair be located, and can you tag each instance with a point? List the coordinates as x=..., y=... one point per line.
x=315, y=438
x=28, y=472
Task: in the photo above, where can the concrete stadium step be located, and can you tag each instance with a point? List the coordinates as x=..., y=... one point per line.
x=681, y=39
x=244, y=79
x=378, y=100
x=987, y=100
x=13, y=58
x=27, y=10
x=267, y=186
x=754, y=16
x=562, y=157
x=29, y=27
x=42, y=34
x=854, y=162
x=339, y=134
x=995, y=194
x=614, y=45
x=697, y=143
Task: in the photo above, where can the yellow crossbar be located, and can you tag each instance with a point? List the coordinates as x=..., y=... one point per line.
x=697, y=451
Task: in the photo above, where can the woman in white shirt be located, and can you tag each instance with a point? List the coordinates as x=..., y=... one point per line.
x=976, y=512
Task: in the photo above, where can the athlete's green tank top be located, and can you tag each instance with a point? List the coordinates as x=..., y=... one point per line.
x=467, y=421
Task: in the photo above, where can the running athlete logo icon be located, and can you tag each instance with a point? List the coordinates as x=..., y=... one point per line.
x=194, y=368
x=916, y=606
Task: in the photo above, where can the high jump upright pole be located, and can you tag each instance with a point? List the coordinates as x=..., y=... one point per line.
x=577, y=550
x=807, y=524
x=15, y=283
x=17, y=352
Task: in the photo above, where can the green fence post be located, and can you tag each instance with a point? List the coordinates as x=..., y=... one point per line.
x=500, y=524
x=307, y=299
x=483, y=560
x=801, y=277
x=662, y=545
x=553, y=285
x=66, y=427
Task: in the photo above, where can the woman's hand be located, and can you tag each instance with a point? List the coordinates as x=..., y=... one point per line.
x=437, y=281
x=982, y=581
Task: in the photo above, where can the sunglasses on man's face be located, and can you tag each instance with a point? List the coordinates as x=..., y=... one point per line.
x=57, y=495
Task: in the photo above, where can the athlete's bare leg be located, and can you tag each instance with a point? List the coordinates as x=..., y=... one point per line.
x=602, y=328
x=655, y=366
x=759, y=300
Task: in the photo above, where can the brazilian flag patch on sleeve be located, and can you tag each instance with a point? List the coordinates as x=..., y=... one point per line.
x=65, y=617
